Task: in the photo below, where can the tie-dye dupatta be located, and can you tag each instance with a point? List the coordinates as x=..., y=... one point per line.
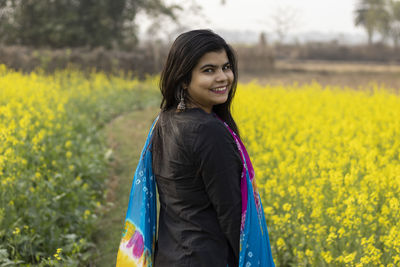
x=255, y=249
x=138, y=238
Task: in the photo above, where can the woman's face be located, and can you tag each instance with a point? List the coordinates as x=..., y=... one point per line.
x=211, y=82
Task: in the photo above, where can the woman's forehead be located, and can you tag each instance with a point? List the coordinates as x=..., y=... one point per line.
x=213, y=58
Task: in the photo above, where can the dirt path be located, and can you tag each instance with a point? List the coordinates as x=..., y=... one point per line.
x=126, y=135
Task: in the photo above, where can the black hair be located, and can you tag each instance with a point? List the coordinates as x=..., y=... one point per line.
x=183, y=56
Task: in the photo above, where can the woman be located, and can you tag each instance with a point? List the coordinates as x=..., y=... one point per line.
x=195, y=159
x=203, y=174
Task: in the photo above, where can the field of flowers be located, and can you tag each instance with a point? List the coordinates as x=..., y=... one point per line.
x=327, y=164
x=53, y=161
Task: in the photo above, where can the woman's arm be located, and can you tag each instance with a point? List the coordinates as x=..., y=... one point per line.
x=220, y=168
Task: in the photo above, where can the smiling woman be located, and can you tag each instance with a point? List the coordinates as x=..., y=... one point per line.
x=208, y=198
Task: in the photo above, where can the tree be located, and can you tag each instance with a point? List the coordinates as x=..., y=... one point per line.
x=374, y=16
x=366, y=16
x=284, y=19
x=72, y=23
x=395, y=22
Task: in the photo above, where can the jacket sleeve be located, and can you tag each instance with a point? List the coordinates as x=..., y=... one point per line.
x=220, y=168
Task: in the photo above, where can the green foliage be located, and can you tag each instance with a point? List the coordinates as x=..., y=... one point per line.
x=395, y=17
x=379, y=16
x=74, y=23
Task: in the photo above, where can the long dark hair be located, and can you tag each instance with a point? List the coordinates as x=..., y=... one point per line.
x=183, y=56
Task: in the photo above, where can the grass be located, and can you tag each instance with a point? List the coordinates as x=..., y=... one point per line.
x=126, y=135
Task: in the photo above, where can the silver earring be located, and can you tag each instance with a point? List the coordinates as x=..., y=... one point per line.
x=181, y=105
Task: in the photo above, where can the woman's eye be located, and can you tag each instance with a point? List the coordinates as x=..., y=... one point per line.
x=208, y=70
x=227, y=67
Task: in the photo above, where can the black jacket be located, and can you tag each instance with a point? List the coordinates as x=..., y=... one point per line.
x=197, y=168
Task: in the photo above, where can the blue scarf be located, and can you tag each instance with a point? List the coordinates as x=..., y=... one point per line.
x=139, y=235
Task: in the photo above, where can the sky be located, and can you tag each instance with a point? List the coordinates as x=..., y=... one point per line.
x=309, y=15
x=329, y=17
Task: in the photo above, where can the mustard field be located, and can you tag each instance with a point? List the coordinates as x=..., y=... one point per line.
x=327, y=164
x=53, y=161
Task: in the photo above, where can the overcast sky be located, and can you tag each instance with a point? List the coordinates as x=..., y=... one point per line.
x=310, y=15
x=325, y=16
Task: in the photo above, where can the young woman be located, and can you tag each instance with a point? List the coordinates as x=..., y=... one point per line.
x=210, y=210
x=195, y=159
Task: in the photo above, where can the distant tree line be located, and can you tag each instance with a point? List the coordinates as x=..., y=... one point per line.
x=379, y=17
x=75, y=23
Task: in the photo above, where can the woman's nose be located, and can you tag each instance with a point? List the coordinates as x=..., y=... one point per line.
x=221, y=75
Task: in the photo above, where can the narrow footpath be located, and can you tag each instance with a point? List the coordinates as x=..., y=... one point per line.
x=126, y=135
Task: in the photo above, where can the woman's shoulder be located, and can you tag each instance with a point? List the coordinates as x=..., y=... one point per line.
x=193, y=118
x=193, y=123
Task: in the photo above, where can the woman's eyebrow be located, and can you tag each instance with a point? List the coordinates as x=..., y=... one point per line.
x=212, y=65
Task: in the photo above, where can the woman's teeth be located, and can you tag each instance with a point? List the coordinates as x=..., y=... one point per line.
x=219, y=89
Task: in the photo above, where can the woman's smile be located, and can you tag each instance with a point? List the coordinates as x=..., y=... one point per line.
x=220, y=90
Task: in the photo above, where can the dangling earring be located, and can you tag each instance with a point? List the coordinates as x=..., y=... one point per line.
x=181, y=105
